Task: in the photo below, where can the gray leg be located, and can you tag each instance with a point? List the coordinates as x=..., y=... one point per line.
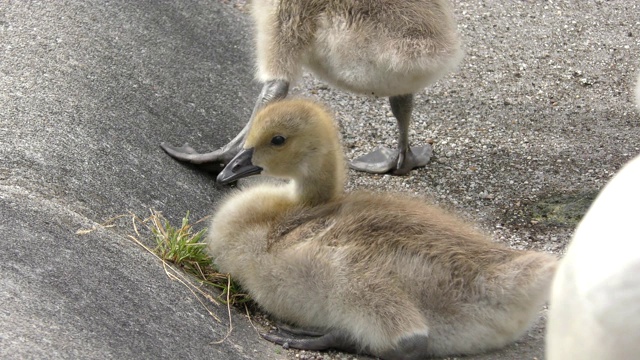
x=404, y=158
x=271, y=91
x=335, y=339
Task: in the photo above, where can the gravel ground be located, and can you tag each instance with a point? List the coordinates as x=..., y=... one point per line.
x=536, y=120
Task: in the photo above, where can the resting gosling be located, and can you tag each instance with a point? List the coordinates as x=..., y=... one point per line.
x=391, y=48
x=595, y=301
x=367, y=272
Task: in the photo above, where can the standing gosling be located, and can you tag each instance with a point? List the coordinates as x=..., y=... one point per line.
x=367, y=272
x=391, y=48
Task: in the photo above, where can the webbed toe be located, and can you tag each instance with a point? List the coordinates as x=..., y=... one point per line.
x=417, y=156
x=211, y=162
x=331, y=340
x=384, y=160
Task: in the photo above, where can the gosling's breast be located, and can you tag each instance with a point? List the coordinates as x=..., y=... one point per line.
x=371, y=60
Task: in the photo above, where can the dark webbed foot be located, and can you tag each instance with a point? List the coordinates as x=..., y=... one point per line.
x=413, y=347
x=405, y=158
x=212, y=161
x=272, y=90
x=315, y=341
x=385, y=160
x=298, y=331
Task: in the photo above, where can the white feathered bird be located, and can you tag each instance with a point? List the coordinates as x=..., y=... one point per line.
x=595, y=300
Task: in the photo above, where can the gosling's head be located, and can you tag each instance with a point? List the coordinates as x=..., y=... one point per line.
x=292, y=139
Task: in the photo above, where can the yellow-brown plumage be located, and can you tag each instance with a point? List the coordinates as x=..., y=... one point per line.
x=382, y=272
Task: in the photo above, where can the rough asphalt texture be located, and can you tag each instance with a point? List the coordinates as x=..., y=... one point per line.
x=538, y=117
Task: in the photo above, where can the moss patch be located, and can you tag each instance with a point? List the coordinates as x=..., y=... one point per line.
x=561, y=209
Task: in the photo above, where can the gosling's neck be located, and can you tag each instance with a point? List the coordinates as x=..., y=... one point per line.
x=322, y=183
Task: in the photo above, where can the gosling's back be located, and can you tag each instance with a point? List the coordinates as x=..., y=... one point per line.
x=384, y=266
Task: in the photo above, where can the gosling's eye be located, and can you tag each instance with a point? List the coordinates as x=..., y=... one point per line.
x=278, y=140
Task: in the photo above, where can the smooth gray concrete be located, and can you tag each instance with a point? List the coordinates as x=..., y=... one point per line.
x=87, y=92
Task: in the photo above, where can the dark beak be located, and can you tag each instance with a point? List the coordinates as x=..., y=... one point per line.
x=239, y=167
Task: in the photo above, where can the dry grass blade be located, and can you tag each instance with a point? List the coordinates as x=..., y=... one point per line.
x=106, y=224
x=183, y=247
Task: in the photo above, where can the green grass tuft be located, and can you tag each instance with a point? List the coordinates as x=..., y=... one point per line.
x=184, y=247
x=181, y=246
